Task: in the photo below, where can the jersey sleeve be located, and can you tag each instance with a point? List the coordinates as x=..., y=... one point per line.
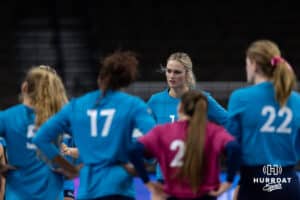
x=233, y=160
x=235, y=109
x=143, y=121
x=136, y=154
x=57, y=124
x=216, y=112
x=151, y=142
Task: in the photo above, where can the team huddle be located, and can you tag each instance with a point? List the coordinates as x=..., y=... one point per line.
x=47, y=140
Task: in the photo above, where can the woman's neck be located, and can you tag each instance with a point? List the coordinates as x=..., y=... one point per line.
x=178, y=92
x=27, y=102
x=259, y=79
x=183, y=117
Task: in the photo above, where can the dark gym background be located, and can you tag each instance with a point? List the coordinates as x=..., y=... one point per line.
x=73, y=36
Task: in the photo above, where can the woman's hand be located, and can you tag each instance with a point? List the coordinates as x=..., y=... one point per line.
x=69, y=151
x=65, y=168
x=130, y=169
x=222, y=188
x=156, y=189
x=4, y=168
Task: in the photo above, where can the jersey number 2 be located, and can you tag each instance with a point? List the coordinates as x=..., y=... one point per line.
x=93, y=114
x=177, y=160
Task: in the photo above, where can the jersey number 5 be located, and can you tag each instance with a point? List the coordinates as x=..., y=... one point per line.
x=93, y=114
x=272, y=115
x=30, y=134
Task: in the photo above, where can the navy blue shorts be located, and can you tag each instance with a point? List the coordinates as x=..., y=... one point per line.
x=269, y=182
x=69, y=194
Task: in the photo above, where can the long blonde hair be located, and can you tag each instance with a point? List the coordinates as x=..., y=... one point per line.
x=46, y=92
x=186, y=61
x=269, y=61
x=194, y=104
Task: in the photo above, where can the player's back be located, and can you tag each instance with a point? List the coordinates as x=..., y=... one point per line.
x=267, y=132
x=102, y=128
x=33, y=179
x=167, y=144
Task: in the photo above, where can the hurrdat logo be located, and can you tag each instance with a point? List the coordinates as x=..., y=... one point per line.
x=271, y=180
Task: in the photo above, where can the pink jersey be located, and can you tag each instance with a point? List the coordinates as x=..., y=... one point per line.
x=166, y=144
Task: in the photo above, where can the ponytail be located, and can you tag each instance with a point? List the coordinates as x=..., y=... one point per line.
x=46, y=92
x=268, y=58
x=191, y=80
x=193, y=160
x=284, y=80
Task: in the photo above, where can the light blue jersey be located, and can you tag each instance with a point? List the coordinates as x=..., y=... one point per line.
x=164, y=110
x=268, y=134
x=101, y=129
x=33, y=179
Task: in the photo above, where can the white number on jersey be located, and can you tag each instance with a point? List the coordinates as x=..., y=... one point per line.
x=172, y=118
x=271, y=112
x=93, y=114
x=30, y=134
x=136, y=133
x=93, y=120
x=177, y=160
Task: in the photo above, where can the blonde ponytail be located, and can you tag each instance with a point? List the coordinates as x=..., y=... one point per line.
x=46, y=92
x=270, y=63
x=284, y=81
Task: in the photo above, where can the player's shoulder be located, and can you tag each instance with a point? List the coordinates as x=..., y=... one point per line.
x=207, y=94
x=159, y=95
x=172, y=126
x=294, y=99
x=129, y=102
x=242, y=94
x=125, y=97
x=85, y=99
x=295, y=95
x=88, y=96
x=162, y=127
x=214, y=130
x=214, y=126
x=243, y=90
x=13, y=109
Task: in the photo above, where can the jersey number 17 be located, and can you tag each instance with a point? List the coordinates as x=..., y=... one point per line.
x=93, y=114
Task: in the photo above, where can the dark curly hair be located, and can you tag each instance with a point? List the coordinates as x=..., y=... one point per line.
x=118, y=70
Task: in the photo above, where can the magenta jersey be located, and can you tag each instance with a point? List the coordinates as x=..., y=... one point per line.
x=166, y=144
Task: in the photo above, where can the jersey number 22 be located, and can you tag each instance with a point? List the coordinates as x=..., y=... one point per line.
x=284, y=113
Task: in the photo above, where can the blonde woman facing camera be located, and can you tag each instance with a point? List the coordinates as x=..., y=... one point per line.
x=180, y=79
